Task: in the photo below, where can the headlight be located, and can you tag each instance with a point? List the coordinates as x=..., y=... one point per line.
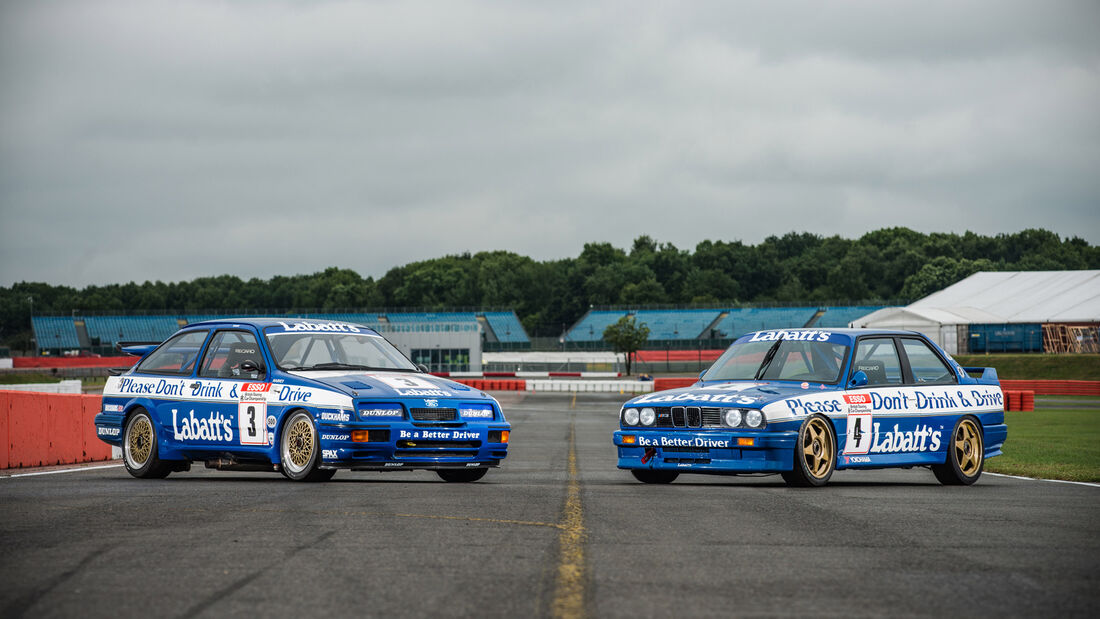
x=754, y=418
x=630, y=417
x=648, y=416
x=733, y=418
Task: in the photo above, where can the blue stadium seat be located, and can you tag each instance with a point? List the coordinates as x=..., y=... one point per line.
x=744, y=320
x=676, y=324
x=113, y=329
x=55, y=332
x=839, y=317
x=591, y=326
x=507, y=327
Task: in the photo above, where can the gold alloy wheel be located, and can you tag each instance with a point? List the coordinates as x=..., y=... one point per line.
x=968, y=448
x=299, y=443
x=818, y=449
x=139, y=441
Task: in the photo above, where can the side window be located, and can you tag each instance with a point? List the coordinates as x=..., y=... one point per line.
x=176, y=356
x=878, y=359
x=228, y=351
x=926, y=365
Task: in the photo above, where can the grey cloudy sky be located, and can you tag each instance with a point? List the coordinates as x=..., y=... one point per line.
x=144, y=140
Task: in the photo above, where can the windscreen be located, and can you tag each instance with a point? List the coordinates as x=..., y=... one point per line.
x=300, y=349
x=819, y=360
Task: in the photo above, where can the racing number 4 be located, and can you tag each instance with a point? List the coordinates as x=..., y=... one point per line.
x=250, y=422
x=859, y=434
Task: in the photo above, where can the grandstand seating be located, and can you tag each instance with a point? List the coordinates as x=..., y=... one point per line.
x=432, y=317
x=506, y=326
x=839, y=317
x=689, y=324
x=676, y=324
x=113, y=329
x=60, y=332
x=591, y=326
x=743, y=320
x=55, y=332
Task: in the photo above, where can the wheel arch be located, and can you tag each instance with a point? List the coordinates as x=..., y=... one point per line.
x=276, y=443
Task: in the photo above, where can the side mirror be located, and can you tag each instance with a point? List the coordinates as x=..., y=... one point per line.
x=859, y=379
x=701, y=374
x=422, y=368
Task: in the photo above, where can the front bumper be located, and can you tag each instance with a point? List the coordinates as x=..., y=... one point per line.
x=108, y=427
x=706, y=452
x=412, y=446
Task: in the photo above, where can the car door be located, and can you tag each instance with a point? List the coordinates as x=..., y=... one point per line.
x=877, y=407
x=220, y=414
x=907, y=385
x=163, y=378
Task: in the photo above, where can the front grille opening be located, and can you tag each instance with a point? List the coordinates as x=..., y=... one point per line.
x=434, y=414
x=687, y=417
x=712, y=417
x=414, y=444
x=428, y=455
x=685, y=450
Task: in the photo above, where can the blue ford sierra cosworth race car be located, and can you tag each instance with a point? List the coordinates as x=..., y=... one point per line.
x=296, y=396
x=804, y=403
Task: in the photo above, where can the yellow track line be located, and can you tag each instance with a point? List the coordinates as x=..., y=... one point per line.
x=569, y=596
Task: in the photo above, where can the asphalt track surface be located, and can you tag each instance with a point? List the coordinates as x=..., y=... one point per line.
x=547, y=534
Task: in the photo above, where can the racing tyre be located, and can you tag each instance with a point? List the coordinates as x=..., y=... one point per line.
x=965, y=455
x=651, y=476
x=139, y=448
x=814, y=454
x=300, y=450
x=461, y=475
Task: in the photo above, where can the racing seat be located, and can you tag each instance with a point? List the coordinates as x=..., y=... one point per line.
x=237, y=356
x=876, y=373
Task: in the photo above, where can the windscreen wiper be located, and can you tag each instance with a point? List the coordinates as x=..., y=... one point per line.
x=332, y=365
x=768, y=356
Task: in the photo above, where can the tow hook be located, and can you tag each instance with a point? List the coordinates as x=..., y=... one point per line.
x=649, y=453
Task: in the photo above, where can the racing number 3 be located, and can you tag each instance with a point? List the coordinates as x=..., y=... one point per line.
x=250, y=422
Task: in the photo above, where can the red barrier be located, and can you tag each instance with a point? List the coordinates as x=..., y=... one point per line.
x=1054, y=387
x=5, y=439
x=124, y=361
x=41, y=429
x=64, y=414
x=663, y=384
x=654, y=356
x=28, y=441
x=493, y=385
x=1027, y=400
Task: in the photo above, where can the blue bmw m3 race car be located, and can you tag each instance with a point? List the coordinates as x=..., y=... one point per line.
x=803, y=403
x=302, y=397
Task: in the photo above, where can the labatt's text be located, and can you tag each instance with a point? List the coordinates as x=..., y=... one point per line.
x=769, y=336
x=922, y=438
x=215, y=427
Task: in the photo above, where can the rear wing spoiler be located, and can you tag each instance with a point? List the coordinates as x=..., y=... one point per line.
x=985, y=376
x=138, y=349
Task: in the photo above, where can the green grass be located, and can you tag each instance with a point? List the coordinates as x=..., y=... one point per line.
x=1052, y=444
x=1037, y=366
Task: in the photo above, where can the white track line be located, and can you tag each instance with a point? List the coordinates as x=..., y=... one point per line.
x=1057, y=481
x=83, y=468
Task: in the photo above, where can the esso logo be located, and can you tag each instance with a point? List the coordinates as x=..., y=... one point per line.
x=859, y=398
x=257, y=387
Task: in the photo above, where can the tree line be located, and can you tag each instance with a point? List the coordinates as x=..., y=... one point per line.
x=888, y=265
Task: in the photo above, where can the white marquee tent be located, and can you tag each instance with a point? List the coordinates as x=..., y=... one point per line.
x=1009, y=297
